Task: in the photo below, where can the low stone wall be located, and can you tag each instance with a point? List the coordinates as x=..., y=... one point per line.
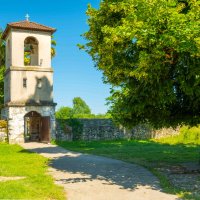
x=146, y=132
x=105, y=129
x=165, y=132
x=3, y=131
x=62, y=131
x=100, y=129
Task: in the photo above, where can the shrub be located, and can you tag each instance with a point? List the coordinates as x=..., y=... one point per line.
x=77, y=128
x=190, y=134
x=3, y=124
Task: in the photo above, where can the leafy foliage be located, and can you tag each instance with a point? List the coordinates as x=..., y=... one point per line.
x=188, y=135
x=2, y=50
x=27, y=55
x=3, y=124
x=2, y=68
x=69, y=116
x=149, y=51
x=53, y=47
x=80, y=110
x=64, y=113
x=80, y=107
x=77, y=128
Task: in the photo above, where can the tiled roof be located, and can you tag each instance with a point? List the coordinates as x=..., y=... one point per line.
x=27, y=25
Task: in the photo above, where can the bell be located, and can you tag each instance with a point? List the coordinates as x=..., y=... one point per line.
x=29, y=48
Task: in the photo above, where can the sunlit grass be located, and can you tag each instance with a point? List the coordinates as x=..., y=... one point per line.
x=131, y=151
x=14, y=161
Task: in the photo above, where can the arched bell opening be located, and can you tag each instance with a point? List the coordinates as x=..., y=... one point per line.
x=32, y=121
x=31, y=57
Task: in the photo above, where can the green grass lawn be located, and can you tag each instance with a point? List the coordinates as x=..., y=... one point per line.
x=151, y=154
x=142, y=152
x=14, y=162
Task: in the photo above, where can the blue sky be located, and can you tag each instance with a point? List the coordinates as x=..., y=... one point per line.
x=75, y=74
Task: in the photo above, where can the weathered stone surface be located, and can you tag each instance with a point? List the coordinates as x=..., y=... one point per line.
x=63, y=135
x=15, y=116
x=3, y=130
x=3, y=134
x=105, y=129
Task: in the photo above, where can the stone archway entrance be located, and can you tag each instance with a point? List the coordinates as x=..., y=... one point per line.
x=37, y=128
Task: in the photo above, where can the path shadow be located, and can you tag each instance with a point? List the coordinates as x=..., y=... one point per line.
x=113, y=172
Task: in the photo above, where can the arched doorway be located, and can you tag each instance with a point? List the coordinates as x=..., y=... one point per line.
x=36, y=127
x=32, y=127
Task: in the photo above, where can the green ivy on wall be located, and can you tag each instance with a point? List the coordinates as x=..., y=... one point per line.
x=75, y=124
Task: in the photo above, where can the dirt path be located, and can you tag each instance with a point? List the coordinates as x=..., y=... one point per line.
x=4, y=179
x=88, y=177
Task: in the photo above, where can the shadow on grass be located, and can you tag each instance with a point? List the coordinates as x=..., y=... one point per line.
x=138, y=151
x=114, y=172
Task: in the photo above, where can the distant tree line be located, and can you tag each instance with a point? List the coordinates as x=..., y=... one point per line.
x=79, y=110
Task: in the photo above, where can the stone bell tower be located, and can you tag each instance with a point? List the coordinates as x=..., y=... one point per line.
x=28, y=91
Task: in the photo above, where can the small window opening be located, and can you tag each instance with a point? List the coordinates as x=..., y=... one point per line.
x=25, y=82
x=39, y=83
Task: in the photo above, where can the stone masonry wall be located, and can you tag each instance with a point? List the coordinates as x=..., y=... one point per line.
x=105, y=129
x=100, y=129
x=16, y=120
x=3, y=131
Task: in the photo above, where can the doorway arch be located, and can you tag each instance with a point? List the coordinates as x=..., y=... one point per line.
x=32, y=126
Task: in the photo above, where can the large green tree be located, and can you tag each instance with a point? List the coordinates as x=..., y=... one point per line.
x=80, y=107
x=149, y=51
x=79, y=110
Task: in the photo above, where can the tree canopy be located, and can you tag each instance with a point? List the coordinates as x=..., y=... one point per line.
x=80, y=107
x=64, y=113
x=149, y=51
x=79, y=110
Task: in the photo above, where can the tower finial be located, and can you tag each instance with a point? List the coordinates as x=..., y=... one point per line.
x=27, y=17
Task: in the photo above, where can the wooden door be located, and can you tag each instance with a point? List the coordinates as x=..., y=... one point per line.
x=45, y=129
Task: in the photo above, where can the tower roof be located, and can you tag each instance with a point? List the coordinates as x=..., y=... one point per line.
x=27, y=25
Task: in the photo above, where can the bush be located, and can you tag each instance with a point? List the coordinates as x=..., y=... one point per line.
x=190, y=134
x=77, y=128
x=3, y=124
x=75, y=124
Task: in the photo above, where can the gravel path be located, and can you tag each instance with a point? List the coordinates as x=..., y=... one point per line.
x=88, y=177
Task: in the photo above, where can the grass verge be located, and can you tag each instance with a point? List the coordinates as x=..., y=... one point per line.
x=37, y=185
